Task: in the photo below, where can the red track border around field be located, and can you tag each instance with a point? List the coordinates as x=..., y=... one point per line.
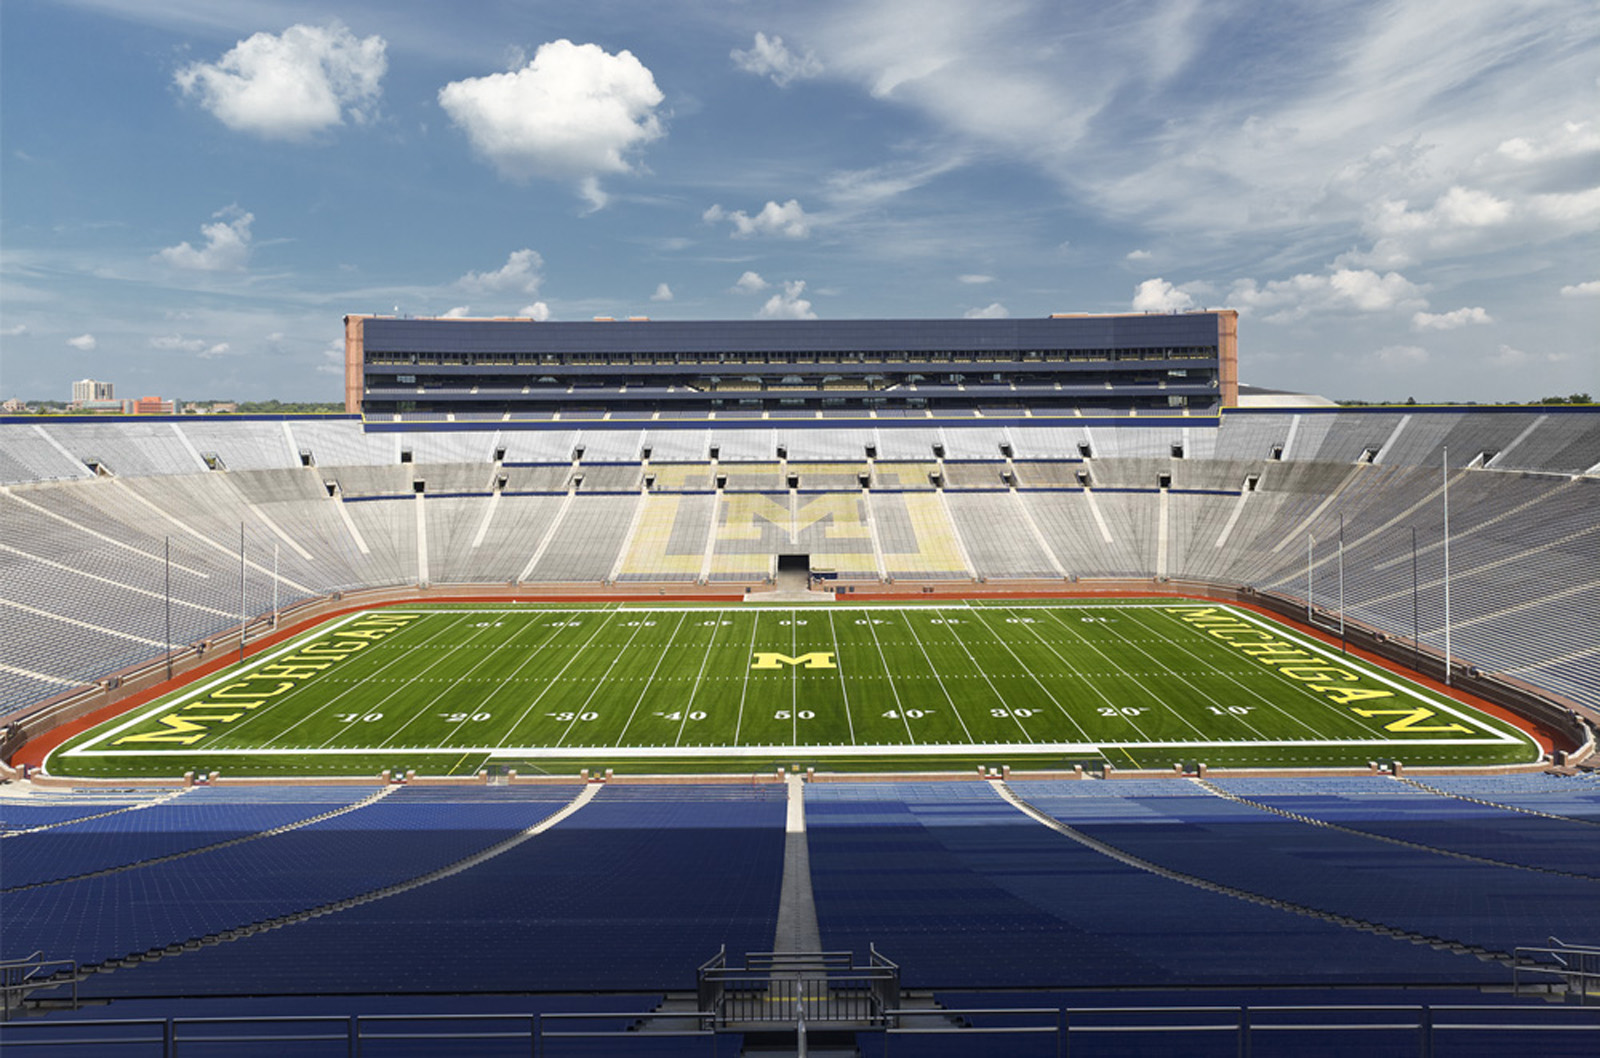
x=34, y=752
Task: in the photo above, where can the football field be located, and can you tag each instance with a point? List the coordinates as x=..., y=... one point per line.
x=457, y=689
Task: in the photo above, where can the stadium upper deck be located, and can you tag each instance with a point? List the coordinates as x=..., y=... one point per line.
x=843, y=368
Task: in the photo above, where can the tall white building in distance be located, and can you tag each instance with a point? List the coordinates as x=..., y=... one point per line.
x=88, y=389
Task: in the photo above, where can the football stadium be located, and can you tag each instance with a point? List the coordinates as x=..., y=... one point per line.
x=801, y=687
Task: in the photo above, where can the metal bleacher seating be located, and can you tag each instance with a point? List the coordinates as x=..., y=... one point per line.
x=84, y=553
x=1001, y=901
x=29, y=454
x=625, y=874
x=1417, y=815
x=94, y=917
x=1495, y=908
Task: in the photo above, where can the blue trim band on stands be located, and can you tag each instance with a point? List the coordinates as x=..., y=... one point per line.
x=892, y=423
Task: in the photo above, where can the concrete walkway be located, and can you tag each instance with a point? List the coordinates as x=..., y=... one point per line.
x=797, y=910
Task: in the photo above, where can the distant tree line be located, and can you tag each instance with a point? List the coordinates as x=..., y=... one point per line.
x=1574, y=398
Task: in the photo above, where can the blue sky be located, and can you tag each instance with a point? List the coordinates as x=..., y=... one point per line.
x=1401, y=198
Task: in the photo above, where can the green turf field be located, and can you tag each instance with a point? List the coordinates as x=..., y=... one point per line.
x=451, y=690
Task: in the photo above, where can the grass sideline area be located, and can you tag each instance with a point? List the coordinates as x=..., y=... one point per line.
x=453, y=689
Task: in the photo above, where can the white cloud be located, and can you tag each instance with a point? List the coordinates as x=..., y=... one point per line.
x=750, y=283
x=768, y=57
x=227, y=247
x=332, y=358
x=663, y=293
x=199, y=346
x=1457, y=219
x=1138, y=255
x=865, y=188
x=16, y=331
x=521, y=274
x=573, y=113
x=1285, y=300
x=788, y=220
x=975, y=279
x=292, y=86
x=992, y=311
x=788, y=305
x=1400, y=357
x=1591, y=289
x=537, y=311
x=1449, y=321
x=459, y=312
x=1572, y=139
x=83, y=342
x=1509, y=357
x=1158, y=295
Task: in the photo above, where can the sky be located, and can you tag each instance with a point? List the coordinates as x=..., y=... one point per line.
x=1401, y=199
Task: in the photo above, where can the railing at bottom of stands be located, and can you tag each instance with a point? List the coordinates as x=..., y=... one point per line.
x=21, y=977
x=1055, y=1027
x=1565, y=970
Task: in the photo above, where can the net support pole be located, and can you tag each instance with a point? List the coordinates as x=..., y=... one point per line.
x=1446, y=471
x=1342, y=649
x=169, y=605
x=241, y=592
x=1416, y=610
x=1309, y=541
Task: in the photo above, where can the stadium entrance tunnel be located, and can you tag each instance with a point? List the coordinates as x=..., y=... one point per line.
x=794, y=572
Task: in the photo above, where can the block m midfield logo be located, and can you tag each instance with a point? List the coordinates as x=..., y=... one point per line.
x=817, y=660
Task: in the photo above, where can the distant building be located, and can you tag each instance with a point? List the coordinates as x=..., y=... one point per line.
x=14, y=406
x=103, y=407
x=86, y=390
x=153, y=406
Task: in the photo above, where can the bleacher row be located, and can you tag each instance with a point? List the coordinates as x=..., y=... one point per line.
x=1161, y=883
x=1548, y=441
x=85, y=573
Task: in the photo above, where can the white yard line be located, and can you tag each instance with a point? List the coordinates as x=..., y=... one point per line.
x=1130, y=721
x=609, y=614
x=984, y=673
x=1090, y=644
x=524, y=663
x=694, y=692
x=488, y=656
x=661, y=656
x=837, y=667
x=929, y=749
x=377, y=706
x=1158, y=663
x=227, y=675
x=1242, y=686
x=601, y=682
x=888, y=674
x=1022, y=667
x=1372, y=671
x=744, y=688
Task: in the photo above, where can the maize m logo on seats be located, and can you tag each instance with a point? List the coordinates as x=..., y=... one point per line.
x=815, y=660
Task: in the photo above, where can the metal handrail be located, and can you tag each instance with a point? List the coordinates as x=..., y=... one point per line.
x=1428, y=1019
